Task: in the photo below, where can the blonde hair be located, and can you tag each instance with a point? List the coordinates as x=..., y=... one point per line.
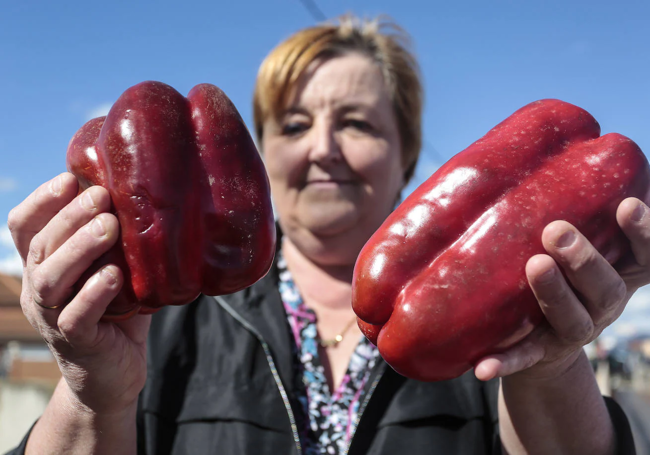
x=384, y=42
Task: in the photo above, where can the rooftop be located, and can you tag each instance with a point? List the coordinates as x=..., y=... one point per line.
x=13, y=323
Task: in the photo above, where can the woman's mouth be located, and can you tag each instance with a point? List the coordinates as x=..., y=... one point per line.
x=329, y=183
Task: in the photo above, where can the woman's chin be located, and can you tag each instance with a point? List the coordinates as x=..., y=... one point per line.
x=330, y=224
x=331, y=240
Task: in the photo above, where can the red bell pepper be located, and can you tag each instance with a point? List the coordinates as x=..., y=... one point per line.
x=190, y=192
x=442, y=283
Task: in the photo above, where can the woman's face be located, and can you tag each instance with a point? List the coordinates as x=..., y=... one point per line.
x=334, y=159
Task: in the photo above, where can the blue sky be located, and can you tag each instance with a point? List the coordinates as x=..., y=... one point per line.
x=61, y=63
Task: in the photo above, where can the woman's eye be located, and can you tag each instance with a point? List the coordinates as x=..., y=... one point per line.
x=293, y=128
x=360, y=125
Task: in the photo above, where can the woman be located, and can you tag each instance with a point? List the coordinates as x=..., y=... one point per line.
x=337, y=114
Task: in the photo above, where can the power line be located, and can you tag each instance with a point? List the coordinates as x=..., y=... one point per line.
x=313, y=9
x=426, y=145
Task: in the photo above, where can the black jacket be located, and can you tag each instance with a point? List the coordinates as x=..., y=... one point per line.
x=220, y=381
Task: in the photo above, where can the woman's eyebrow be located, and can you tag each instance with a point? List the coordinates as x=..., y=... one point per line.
x=340, y=110
x=294, y=110
x=356, y=107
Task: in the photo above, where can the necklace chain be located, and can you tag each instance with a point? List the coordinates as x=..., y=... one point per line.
x=333, y=342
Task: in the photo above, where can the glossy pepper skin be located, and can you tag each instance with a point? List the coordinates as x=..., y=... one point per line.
x=442, y=283
x=190, y=192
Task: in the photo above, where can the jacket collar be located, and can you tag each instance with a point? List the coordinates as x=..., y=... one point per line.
x=261, y=305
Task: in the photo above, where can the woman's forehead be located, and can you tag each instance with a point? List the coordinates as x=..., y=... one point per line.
x=350, y=81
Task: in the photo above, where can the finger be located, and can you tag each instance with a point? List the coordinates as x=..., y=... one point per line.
x=28, y=218
x=71, y=218
x=78, y=322
x=565, y=314
x=601, y=288
x=52, y=281
x=520, y=357
x=34, y=316
x=634, y=219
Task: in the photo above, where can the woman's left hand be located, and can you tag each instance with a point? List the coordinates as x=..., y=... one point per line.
x=575, y=318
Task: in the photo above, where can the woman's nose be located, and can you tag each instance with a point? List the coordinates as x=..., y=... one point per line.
x=325, y=147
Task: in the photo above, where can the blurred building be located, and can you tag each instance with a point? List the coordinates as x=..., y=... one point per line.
x=24, y=356
x=641, y=345
x=28, y=372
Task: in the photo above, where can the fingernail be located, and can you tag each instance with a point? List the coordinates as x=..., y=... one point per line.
x=639, y=213
x=97, y=227
x=108, y=276
x=87, y=201
x=546, y=277
x=565, y=240
x=55, y=186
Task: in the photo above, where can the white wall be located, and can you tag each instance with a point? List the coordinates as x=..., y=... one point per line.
x=20, y=406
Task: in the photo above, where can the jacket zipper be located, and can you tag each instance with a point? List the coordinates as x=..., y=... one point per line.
x=274, y=370
x=364, y=404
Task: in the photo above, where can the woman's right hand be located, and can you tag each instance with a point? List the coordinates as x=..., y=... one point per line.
x=58, y=235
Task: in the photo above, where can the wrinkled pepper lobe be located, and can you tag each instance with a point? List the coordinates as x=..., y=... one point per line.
x=189, y=190
x=442, y=283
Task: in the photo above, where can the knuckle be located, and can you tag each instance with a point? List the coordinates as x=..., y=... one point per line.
x=36, y=253
x=586, y=260
x=531, y=360
x=558, y=295
x=580, y=332
x=613, y=296
x=527, y=361
x=41, y=287
x=562, y=293
x=79, y=241
x=14, y=221
x=69, y=328
x=529, y=357
x=65, y=217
